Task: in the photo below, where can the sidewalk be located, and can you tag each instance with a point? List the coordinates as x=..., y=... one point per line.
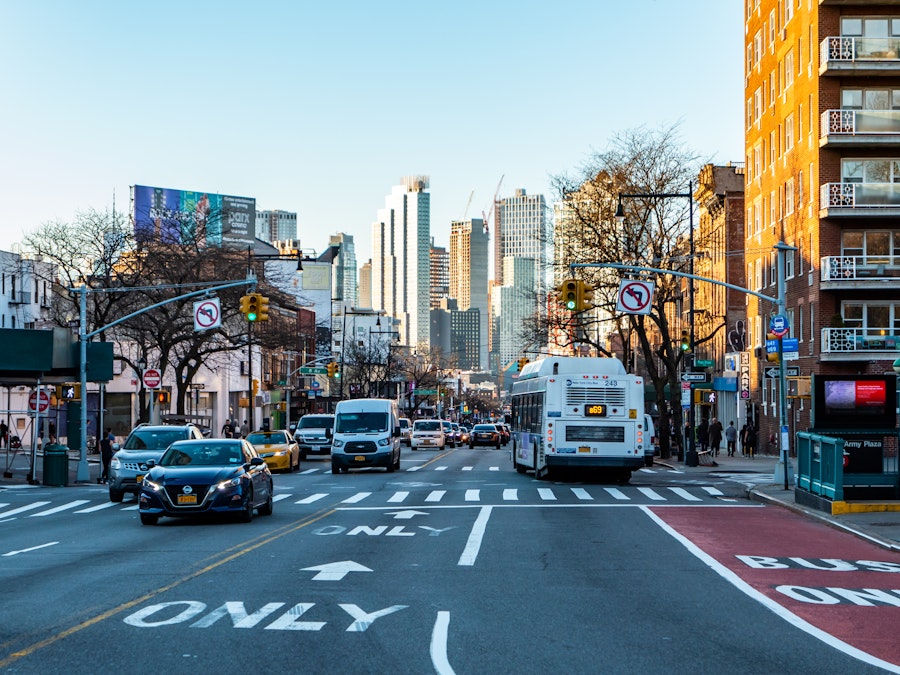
x=17, y=468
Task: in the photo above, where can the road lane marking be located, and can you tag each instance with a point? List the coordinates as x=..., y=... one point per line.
x=511, y=494
x=33, y=548
x=312, y=498
x=99, y=507
x=713, y=491
x=684, y=494
x=473, y=545
x=302, y=473
x=22, y=509
x=435, y=495
x=358, y=497
x=617, y=494
x=398, y=497
x=57, y=509
x=494, y=468
x=438, y=648
x=653, y=494
x=547, y=494
x=278, y=498
x=467, y=468
x=473, y=495
x=441, y=468
x=581, y=493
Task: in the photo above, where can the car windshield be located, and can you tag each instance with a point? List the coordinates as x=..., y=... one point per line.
x=484, y=427
x=404, y=423
x=361, y=422
x=267, y=437
x=202, y=454
x=315, y=422
x=427, y=425
x=153, y=439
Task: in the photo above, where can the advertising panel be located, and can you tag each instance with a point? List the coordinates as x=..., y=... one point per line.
x=178, y=216
x=854, y=401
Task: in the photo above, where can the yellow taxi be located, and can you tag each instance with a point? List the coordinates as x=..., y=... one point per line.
x=277, y=448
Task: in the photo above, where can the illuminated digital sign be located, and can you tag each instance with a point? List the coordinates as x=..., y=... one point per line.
x=595, y=410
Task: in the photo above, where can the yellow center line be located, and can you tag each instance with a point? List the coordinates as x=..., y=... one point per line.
x=440, y=456
x=231, y=554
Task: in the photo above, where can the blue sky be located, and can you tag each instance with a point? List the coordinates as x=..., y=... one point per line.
x=320, y=108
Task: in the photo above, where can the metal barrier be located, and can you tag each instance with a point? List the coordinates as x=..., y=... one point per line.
x=820, y=465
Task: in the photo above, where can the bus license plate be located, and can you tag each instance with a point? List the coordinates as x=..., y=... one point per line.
x=187, y=499
x=359, y=458
x=583, y=448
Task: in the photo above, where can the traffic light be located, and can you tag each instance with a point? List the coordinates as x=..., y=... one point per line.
x=332, y=368
x=522, y=362
x=255, y=386
x=263, y=313
x=585, y=297
x=68, y=392
x=570, y=294
x=163, y=397
x=245, y=305
x=253, y=304
x=685, y=341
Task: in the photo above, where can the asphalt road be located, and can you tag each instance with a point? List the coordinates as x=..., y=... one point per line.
x=454, y=564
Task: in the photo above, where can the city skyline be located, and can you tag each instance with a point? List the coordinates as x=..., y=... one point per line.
x=98, y=107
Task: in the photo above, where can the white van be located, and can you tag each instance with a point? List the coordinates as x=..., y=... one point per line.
x=650, y=442
x=366, y=433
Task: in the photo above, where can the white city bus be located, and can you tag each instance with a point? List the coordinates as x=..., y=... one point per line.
x=578, y=412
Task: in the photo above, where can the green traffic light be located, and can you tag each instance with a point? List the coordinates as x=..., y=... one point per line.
x=251, y=316
x=570, y=301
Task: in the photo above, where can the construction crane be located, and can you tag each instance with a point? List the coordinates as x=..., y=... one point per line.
x=493, y=204
x=468, y=204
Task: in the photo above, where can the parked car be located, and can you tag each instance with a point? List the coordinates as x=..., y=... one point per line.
x=427, y=434
x=145, y=442
x=405, y=431
x=313, y=435
x=204, y=477
x=277, y=448
x=485, y=434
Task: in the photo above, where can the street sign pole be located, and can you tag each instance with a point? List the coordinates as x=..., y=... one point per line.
x=782, y=469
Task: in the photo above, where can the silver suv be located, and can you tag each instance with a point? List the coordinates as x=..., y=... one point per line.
x=146, y=441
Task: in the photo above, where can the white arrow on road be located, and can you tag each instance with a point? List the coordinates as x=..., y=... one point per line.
x=406, y=515
x=335, y=571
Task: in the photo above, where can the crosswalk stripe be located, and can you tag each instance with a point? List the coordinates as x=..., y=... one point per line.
x=435, y=495
x=473, y=495
x=278, y=498
x=99, y=507
x=22, y=509
x=467, y=468
x=414, y=468
x=132, y=508
x=511, y=494
x=398, y=497
x=312, y=498
x=581, y=493
x=494, y=468
x=57, y=509
x=684, y=494
x=648, y=470
x=653, y=494
x=546, y=494
x=3, y=506
x=441, y=468
x=617, y=494
x=303, y=473
x=713, y=491
x=358, y=497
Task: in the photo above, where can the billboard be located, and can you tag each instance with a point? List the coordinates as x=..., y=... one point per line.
x=178, y=216
x=854, y=401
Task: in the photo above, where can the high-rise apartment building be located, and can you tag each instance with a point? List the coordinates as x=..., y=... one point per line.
x=440, y=275
x=822, y=120
x=344, y=269
x=401, y=245
x=274, y=226
x=469, y=275
x=364, y=299
x=512, y=304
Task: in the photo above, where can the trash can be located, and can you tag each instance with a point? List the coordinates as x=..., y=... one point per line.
x=56, y=465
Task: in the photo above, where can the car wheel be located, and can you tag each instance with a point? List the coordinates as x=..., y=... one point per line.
x=149, y=519
x=648, y=461
x=266, y=509
x=498, y=445
x=247, y=511
x=302, y=458
x=335, y=468
x=471, y=446
x=397, y=463
x=390, y=465
x=116, y=495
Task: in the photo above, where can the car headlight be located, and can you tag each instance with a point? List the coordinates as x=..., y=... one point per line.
x=151, y=485
x=115, y=463
x=230, y=483
x=384, y=441
x=280, y=453
x=337, y=443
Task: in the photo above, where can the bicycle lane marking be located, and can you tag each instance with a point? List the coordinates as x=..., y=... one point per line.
x=837, y=588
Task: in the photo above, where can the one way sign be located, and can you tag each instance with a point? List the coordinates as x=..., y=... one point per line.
x=790, y=371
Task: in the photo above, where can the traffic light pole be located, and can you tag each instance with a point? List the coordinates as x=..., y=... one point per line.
x=782, y=470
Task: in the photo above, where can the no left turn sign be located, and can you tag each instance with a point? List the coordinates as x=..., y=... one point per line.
x=207, y=314
x=635, y=297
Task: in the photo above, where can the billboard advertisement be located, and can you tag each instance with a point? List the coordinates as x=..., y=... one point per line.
x=180, y=216
x=854, y=401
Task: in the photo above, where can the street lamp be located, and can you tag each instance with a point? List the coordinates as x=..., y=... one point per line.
x=690, y=458
x=396, y=337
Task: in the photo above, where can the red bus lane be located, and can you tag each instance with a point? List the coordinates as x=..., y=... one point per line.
x=845, y=587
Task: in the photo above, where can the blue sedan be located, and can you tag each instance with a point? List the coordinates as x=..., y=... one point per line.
x=205, y=477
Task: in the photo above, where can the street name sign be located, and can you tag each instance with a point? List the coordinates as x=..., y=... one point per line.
x=790, y=371
x=693, y=377
x=313, y=371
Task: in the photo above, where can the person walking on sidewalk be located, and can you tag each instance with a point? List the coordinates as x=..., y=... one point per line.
x=703, y=435
x=106, y=454
x=715, y=436
x=730, y=438
x=750, y=440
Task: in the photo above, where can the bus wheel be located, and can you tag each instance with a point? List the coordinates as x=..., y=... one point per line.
x=624, y=477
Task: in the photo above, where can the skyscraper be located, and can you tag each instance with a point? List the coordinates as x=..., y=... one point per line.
x=274, y=226
x=344, y=270
x=440, y=275
x=469, y=274
x=401, y=243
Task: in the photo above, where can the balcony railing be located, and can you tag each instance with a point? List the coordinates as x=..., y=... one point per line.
x=860, y=122
x=856, y=268
x=19, y=298
x=860, y=195
x=843, y=48
x=847, y=340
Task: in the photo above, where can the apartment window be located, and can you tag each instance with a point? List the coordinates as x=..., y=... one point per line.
x=773, y=208
x=800, y=257
x=789, y=132
x=789, y=69
x=800, y=328
x=871, y=315
x=789, y=264
x=749, y=59
x=788, y=10
x=812, y=260
x=757, y=47
x=759, y=274
x=773, y=266
x=789, y=197
x=871, y=247
x=870, y=99
x=870, y=170
x=757, y=105
x=749, y=112
x=812, y=323
x=800, y=190
x=757, y=160
x=773, y=147
x=790, y=317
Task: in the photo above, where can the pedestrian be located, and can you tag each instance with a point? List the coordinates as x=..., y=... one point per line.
x=227, y=429
x=731, y=438
x=703, y=435
x=4, y=430
x=750, y=440
x=715, y=436
x=742, y=438
x=106, y=454
x=245, y=429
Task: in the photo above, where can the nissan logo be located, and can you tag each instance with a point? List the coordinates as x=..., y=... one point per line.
x=187, y=489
